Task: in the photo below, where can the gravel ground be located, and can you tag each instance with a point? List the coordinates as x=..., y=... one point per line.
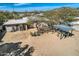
x=47, y=44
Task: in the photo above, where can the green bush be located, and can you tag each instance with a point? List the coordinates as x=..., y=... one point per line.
x=29, y=23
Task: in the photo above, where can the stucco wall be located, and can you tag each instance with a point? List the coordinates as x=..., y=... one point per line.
x=17, y=28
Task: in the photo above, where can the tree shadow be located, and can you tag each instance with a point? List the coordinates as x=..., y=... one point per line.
x=15, y=49
x=64, y=34
x=29, y=52
x=8, y=48
x=2, y=33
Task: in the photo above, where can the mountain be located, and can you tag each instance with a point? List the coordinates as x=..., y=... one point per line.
x=62, y=14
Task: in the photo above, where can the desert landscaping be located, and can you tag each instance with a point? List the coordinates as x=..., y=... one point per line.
x=26, y=30
x=47, y=44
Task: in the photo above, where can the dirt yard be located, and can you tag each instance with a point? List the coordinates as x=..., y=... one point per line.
x=48, y=44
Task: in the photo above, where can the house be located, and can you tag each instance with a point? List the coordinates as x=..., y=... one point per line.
x=40, y=14
x=16, y=25
x=74, y=25
x=77, y=18
x=26, y=18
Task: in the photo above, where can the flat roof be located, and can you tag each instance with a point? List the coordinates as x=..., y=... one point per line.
x=16, y=21
x=75, y=28
x=76, y=17
x=74, y=23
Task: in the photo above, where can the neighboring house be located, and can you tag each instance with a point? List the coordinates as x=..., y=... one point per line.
x=40, y=14
x=26, y=18
x=16, y=25
x=75, y=22
x=77, y=18
x=21, y=15
x=74, y=25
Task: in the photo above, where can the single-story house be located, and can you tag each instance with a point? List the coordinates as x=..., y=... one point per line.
x=40, y=14
x=74, y=25
x=75, y=22
x=77, y=18
x=26, y=18
x=16, y=25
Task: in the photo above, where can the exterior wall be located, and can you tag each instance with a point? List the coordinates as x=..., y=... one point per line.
x=13, y=28
x=8, y=28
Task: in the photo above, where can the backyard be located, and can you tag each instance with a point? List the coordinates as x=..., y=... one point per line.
x=45, y=44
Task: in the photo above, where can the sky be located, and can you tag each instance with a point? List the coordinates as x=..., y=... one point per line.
x=21, y=7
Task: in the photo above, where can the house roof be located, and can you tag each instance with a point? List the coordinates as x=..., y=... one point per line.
x=75, y=28
x=25, y=18
x=76, y=17
x=16, y=21
x=74, y=23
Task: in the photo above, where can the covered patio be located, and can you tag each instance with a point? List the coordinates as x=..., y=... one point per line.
x=15, y=25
